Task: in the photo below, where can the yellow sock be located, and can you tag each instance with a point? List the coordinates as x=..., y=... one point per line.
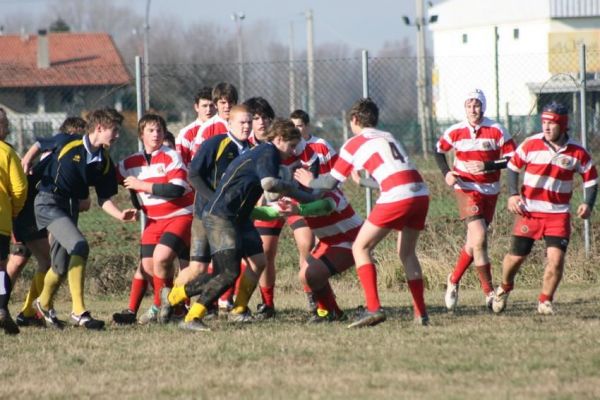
x=197, y=311
x=76, y=283
x=177, y=295
x=37, y=284
x=247, y=287
x=51, y=283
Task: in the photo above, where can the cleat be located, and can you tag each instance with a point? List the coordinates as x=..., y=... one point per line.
x=196, y=325
x=499, y=300
x=125, y=317
x=86, y=320
x=422, y=320
x=244, y=317
x=264, y=311
x=365, y=317
x=311, y=305
x=489, y=300
x=165, y=310
x=36, y=320
x=321, y=316
x=49, y=316
x=451, y=297
x=7, y=324
x=149, y=316
x=545, y=308
x=212, y=313
x=176, y=295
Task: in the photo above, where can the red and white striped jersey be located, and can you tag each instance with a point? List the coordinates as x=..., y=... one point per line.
x=321, y=149
x=165, y=167
x=385, y=160
x=184, y=143
x=339, y=228
x=548, y=179
x=487, y=142
x=213, y=126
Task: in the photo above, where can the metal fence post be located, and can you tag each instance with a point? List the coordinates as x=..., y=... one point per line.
x=582, y=111
x=140, y=111
x=365, y=82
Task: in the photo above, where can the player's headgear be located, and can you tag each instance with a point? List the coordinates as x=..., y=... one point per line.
x=477, y=94
x=558, y=113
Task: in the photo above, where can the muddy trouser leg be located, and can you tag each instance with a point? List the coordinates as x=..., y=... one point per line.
x=226, y=258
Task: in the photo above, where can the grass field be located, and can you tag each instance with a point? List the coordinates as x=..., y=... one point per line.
x=468, y=355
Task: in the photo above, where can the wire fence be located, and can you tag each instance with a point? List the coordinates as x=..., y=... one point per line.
x=525, y=84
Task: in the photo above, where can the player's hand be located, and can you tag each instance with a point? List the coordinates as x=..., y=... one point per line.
x=584, y=211
x=85, y=204
x=26, y=164
x=515, y=205
x=131, y=183
x=355, y=175
x=303, y=176
x=286, y=208
x=474, y=167
x=129, y=215
x=451, y=178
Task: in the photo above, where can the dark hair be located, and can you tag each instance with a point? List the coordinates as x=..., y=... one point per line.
x=226, y=90
x=556, y=108
x=260, y=106
x=73, y=125
x=366, y=112
x=203, y=94
x=104, y=117
x=151, y=118
x=284, y=128
x=169, y=137
x=301, y=115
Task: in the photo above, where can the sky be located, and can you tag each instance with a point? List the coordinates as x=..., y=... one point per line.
x=343, y=21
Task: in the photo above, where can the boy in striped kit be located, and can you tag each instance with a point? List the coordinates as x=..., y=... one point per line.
x=205, y=109
x=482, y=147
x=402, y=206
x=541, y=207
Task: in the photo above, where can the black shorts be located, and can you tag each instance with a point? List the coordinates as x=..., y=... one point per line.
x=24, y=226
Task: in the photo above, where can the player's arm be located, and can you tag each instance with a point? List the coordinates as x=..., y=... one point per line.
x=277, y=185
x=323, y=182
x=109, y=207
x=197, y=171
x=514, y=203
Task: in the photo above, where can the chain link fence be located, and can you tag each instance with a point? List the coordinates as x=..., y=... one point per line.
x=524, y=85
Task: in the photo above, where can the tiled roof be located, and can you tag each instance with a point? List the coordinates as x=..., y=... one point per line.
x=76, y=59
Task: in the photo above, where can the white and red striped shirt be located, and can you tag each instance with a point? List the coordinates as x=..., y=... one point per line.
x=165, y=167
x=487, y=142
x=548, y=179
x=322, y=150
x=184, y=143
x=338, y=228
x=385, y=160
x=213, y=126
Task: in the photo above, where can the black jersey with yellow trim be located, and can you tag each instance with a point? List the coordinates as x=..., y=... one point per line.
x=68, y=172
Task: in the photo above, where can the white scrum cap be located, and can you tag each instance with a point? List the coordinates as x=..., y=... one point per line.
x=477, y=94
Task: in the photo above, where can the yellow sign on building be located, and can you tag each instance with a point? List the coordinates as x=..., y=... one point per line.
x=563, y=55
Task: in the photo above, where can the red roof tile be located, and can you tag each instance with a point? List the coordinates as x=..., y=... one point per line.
x=76, y=59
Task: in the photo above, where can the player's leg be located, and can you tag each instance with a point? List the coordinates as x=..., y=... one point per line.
x=6, y=322
x=305, y=241
x=555, y=262
x=40, y=248
x=267, y=278
x=407, y=243
x=477, y=242
x=520, y=248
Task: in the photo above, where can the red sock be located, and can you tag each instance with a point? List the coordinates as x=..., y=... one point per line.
x=507, y=287
x=228, y=295
x=138, y=289
x=417, y=290
x=462, y=264
x=325, y=299
x=485, y=277
x=545, y=297
x=368, y=278
x=158, y=284
x=267, y=294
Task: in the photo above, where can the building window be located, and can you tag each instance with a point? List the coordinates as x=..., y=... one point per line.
x=30, y=99
x=516, y=33
x=66, y=96
x=465, y=38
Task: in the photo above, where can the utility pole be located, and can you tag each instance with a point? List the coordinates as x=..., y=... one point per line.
x=310, y=62
x=422, y=77
x=146, y=51
x=238, y=17
x=292, y=75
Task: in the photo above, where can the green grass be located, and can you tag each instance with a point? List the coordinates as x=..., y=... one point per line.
x=468, y=355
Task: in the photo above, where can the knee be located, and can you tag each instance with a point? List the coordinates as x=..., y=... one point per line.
x=81, y=248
